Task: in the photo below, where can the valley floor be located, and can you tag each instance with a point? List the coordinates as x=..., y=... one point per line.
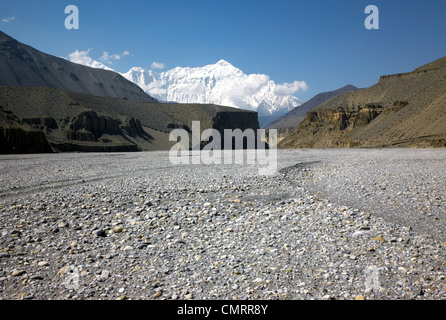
x=330, y=224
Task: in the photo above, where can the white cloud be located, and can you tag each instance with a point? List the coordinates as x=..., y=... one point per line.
x=105, y=58
x=81, y=57
x=157, y=65
x=109, y=58
x=7, y=20
x=238, y=88
x=78, y=55
x=288, y=89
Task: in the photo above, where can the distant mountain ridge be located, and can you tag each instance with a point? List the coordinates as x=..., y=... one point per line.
x=296, y=116
x=220, y=83
x=23, y=65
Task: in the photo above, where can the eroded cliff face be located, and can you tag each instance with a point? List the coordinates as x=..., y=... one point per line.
x=344, y=119
x=88, y=126
x=236, y=120
x=16, y=137
x=20, y=141
x=336, y=128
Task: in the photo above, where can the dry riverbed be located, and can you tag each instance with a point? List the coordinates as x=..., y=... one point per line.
x=331, y=224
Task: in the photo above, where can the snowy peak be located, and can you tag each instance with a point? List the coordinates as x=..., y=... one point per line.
x=223, y=63
x=147, y=80
x=141, y=76
x=220, y=83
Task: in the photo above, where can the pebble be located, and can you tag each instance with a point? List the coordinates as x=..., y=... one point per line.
x=16, y=273
x=118, y=229
x=100, y=233
x=379, y=238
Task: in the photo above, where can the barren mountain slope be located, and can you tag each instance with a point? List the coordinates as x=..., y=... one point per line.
x=403, y=109
x=22, y=65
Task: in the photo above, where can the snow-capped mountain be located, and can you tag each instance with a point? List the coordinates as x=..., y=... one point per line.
x=221, y=84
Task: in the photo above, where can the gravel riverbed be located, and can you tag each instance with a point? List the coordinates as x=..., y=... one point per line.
x=330, y=224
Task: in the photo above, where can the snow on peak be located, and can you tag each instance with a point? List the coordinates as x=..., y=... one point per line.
x=223, y=62
x=137, y=69
x=221, y=84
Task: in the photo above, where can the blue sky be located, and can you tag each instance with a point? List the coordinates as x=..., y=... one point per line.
x=321, y=42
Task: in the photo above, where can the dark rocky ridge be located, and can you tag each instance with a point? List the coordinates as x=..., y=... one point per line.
x=400, y=110
x=79, y=122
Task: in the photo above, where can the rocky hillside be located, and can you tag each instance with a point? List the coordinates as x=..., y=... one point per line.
x=405, y=109
x=297, y=115
x=79, y=122
x=22, y=65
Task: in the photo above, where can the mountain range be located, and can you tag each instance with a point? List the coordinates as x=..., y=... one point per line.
x=405, y=110
x=48, y=104
x=220, y=83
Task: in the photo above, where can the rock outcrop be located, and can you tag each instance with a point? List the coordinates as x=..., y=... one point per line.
x=235, y=120
x=16, y=137
x=88, y=126
x=293, y=118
